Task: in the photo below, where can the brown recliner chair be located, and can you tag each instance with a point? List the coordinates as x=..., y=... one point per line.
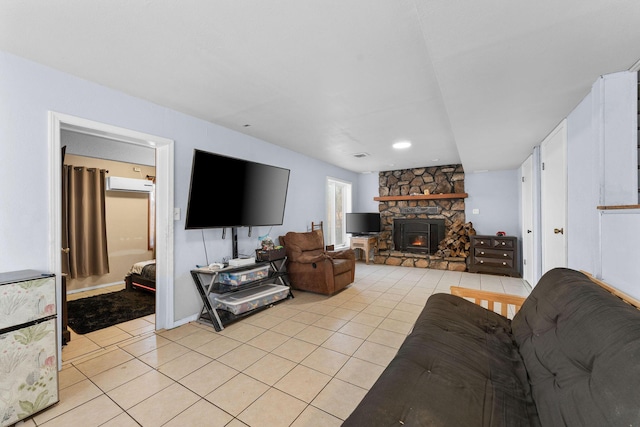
x=311, y=268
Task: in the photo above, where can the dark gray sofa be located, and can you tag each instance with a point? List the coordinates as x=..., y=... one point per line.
x=571, y=356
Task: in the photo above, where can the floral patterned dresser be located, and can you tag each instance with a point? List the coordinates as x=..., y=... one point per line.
x=28, y=350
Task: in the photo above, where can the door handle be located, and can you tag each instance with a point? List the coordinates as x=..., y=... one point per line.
x=65, y=250
x=558, y=230
x=528, y=231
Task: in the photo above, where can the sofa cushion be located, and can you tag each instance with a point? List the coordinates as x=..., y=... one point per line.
x=458, y=367
x=581, y=348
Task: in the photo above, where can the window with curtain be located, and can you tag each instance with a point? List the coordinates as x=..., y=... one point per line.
x=338, y=204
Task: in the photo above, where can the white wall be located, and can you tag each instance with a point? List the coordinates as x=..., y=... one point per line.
x=621, y=255
x=583, y=190
x=496, y=196
x=618, y=105
x=602, y=170
x=29, y=91
x=368, y=188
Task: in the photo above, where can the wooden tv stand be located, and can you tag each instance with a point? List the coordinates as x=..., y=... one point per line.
x=365, y=244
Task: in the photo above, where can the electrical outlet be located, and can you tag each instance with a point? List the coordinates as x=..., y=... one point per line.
x=475, y=211
x=176, y=214
x=137, y=169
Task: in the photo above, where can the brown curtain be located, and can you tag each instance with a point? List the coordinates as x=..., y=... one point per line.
x=84, y=229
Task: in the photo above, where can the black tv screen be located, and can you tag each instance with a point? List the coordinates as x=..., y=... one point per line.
x=230, y=192
x=363, y=223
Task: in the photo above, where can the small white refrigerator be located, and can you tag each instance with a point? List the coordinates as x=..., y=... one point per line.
x=28, y=344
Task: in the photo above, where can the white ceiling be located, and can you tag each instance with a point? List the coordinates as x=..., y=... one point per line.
x=473, y=82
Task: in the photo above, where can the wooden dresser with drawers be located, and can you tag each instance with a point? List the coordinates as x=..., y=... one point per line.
x=494, y=254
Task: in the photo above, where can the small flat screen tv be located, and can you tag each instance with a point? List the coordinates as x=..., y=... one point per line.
x=230, y=192
x=363, y=223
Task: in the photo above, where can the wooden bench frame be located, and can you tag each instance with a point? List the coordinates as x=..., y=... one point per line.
x=506, y=300
x=624, y=297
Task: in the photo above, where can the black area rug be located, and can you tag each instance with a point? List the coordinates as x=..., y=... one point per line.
x=101, y=311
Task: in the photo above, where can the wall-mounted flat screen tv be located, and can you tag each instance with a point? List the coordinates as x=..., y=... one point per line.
x=230, y=192
x=363, y=223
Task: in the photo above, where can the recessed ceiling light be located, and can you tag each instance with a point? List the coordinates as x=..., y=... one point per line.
x=402, y=144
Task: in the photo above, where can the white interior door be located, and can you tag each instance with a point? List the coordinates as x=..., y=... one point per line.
x=553, y=202
x=528, y=231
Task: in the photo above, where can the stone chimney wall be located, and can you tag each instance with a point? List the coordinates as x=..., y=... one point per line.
x=419, y=181
x=437, y=179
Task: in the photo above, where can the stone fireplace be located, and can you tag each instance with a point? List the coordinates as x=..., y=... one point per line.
x=422, y=204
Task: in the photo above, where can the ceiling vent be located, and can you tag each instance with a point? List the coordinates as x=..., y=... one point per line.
x=361, y=155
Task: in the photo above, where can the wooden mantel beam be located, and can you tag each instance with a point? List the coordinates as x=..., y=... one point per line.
x=422, y=197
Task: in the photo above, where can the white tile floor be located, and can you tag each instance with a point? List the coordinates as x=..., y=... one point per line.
x=305, y=362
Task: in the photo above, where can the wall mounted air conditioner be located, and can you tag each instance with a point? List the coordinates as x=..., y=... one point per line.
x=116, y=183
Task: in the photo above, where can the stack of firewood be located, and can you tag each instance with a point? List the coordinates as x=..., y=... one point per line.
x=456, y=242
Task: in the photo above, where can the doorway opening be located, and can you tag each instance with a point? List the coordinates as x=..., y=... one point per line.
x=108, y=239
x=163, y=206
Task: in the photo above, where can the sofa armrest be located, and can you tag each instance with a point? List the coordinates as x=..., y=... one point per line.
x=309, y=259
x=343, y=254
x=491, y=297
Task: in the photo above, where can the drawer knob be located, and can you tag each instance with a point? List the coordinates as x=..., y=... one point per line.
x=482, y=242
x=504, y=263
x=503, y=243
x=505, y=254
x=482, y=253
x=481, y=262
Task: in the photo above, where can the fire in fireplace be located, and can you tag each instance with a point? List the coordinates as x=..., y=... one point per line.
x=419, y=241
x=418, y=235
